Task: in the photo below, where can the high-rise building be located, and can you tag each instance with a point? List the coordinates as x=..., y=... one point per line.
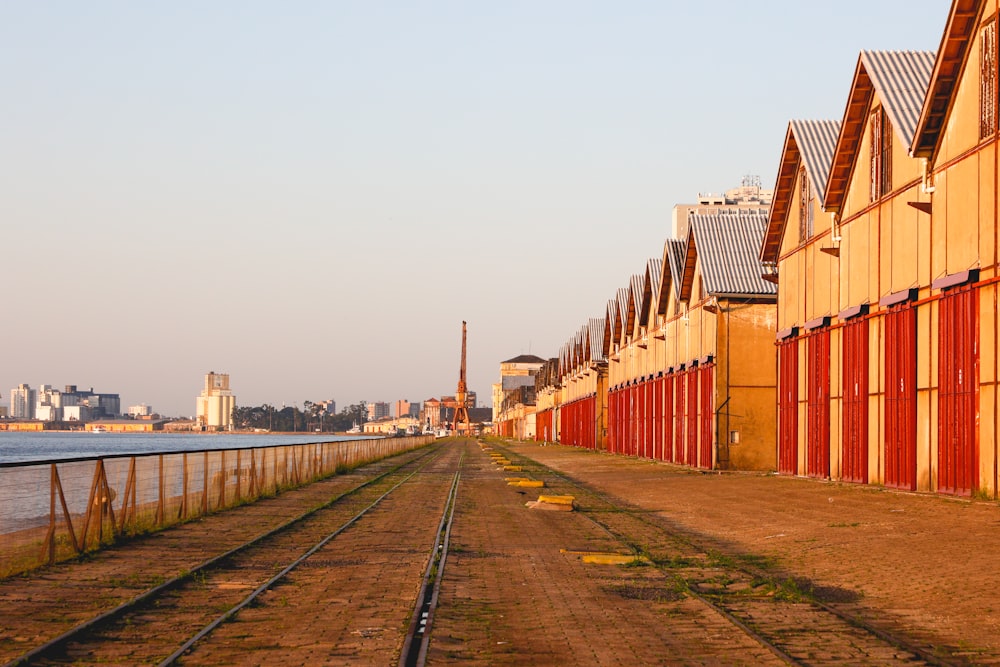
x=22, y=402
x=378, y=410
x=141, y=410
x=216, y=403
x=748, y=197
x=405, y=408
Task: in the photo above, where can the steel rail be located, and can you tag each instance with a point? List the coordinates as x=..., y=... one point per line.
x=414, y=653
x=263, y=588
x=145, y=598
x=858, y=623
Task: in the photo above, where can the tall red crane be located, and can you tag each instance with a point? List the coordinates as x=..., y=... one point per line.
x=462, y=394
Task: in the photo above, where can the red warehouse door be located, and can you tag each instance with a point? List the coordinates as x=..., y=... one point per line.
x=707, y=413
x=656, y=401
x=818, y=404
x=649, y=419
x=958, y=357
x=901, y=397
x=855, y=364
x=612, y=417
x=691, y=446
x=788, y=407
x=668, y=415
x=680, y=417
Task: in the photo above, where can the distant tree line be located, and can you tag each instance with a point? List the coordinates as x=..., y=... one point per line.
x=311, y=418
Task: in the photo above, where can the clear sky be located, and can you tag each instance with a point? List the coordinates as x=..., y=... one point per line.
x=312, y=196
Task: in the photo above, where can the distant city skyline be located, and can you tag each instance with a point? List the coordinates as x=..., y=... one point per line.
x=313, y=197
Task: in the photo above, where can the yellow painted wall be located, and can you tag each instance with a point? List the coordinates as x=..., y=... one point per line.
x=962, y=135
x=746, y=374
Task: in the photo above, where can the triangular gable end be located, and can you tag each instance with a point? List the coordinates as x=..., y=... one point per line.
x=597, y=328
x=624, y=330
x=666, y=277
x=900, y=78
x=810, y=143
x=635, y=303
x=651, y=284
x=610, y=323
x=952, y=56
x=690, y=259
x=675, y=252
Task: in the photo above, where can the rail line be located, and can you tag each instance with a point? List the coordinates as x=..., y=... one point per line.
x=116, y=624
x=791, y=624
x=414, y=653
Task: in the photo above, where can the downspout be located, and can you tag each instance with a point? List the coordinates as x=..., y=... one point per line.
x=927, y=180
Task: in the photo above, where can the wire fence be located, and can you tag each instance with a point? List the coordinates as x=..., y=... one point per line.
x=55, y=510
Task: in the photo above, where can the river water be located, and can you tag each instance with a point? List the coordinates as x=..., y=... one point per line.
x=18, y=447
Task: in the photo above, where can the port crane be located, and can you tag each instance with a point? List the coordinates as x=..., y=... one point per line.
x=462, y=395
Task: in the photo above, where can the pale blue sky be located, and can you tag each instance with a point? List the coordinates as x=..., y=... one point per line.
x=311, y=196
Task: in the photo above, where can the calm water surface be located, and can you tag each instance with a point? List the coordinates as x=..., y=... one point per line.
x=51, y=445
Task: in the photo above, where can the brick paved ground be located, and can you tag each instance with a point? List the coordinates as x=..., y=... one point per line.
x=926, y=563
x=921, y=565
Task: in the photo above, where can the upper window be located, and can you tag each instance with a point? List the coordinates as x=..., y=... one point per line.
x=881, y=154
x=806, y=201
x=988, y=80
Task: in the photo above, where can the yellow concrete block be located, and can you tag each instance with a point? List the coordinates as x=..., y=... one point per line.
x=557, y=500
x=513, y=468
x=599, y=558
x=613, y=559
x=517, y=479
x=528, y=483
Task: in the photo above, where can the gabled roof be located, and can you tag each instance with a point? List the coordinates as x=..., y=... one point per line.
x=727, y=245
x=578, y=349
x=662, y=299
x=810, y=143
x=688, y=262
x=624, y=322
x=635, y=302
x=900, y=78
x=963, y=20
x=595, y=338
x=674, y=252
x=650, y=288
x=610, y=325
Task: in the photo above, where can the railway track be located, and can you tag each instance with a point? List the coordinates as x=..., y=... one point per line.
x=165, y=622
x=770, y=608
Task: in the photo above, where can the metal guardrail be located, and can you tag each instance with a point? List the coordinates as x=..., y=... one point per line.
x=55, y=510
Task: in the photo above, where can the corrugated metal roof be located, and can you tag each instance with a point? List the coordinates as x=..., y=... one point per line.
x=635, y=294
x=816, y=141
x=901, y=79
x=610, y=324
x=810, y=143
x=596, y=337
x=728, y=245
x=675, y=253
x=623, y=320
x=651, y=288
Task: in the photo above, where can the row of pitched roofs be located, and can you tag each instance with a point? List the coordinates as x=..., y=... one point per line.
x=725, y=245
x=736, y=249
